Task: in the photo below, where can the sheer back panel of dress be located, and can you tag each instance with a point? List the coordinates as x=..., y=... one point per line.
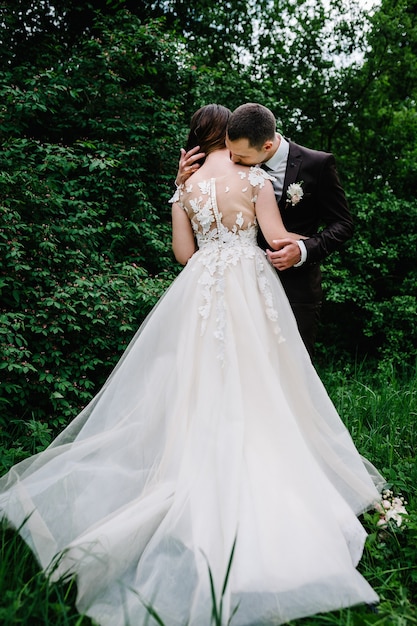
x=234, y=197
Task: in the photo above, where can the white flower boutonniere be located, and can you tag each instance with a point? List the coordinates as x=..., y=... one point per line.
x=295, y=193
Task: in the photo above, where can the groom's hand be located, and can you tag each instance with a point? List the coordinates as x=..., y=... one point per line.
x=286, y=254
x=187, y=164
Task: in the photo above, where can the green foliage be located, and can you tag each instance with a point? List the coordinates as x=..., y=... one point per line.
x=378, y=405
x=215, y=32
x=379, y=408
x=26, y=596
x=371, y=286
x=84, y=219
x=379, y=137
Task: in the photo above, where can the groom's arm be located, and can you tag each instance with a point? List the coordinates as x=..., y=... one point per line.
x=328, y=205
x=334, y=213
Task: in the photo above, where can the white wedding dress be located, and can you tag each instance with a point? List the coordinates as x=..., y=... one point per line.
x=213, y=428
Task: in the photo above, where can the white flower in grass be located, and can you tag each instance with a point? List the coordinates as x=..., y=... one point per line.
x=390, y=508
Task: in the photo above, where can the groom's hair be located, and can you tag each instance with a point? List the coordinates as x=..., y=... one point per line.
x=253, y=122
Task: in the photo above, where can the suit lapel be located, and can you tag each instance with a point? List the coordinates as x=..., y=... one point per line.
x=291, y=173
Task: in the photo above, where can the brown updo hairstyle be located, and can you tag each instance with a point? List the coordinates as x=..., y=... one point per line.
x=208, y=129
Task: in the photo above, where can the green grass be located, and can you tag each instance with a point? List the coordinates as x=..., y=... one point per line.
x=26, y=598
x=380, y=409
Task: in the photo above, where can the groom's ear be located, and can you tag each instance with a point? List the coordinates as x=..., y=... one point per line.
x=268, y=145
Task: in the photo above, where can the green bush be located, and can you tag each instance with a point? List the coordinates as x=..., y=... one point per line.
x=371, y=298
x=89, y=155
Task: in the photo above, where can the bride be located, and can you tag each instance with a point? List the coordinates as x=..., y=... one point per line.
x=212, y=444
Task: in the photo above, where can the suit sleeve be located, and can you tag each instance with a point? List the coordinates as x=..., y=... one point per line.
x=333, y=213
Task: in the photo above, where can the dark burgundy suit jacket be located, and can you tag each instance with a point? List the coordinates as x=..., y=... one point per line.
x=322, y=214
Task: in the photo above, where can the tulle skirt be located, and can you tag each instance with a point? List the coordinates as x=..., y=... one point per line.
x=213, y=431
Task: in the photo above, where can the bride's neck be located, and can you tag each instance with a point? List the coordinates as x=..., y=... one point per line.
x=218, y=155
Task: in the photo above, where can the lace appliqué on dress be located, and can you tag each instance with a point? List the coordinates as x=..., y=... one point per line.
x=256, y=176
x=220, y=248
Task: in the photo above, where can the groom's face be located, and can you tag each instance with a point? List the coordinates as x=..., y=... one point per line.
x=241, y=152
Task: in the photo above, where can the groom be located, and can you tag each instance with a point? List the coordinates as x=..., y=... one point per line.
x=311, y=201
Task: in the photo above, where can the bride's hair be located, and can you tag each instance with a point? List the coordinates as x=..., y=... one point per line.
x=208, y=129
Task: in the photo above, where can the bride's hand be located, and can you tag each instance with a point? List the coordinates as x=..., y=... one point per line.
x=187, y=164
x=286, y=254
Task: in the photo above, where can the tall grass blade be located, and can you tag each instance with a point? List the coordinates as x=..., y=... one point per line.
x=217, y=608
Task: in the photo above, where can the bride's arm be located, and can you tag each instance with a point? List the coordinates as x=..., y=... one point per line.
x=183, y=242
x=269, y=217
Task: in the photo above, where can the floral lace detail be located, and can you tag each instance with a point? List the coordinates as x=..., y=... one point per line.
x=176, y=195
x=219, y=249
x=256, y=176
